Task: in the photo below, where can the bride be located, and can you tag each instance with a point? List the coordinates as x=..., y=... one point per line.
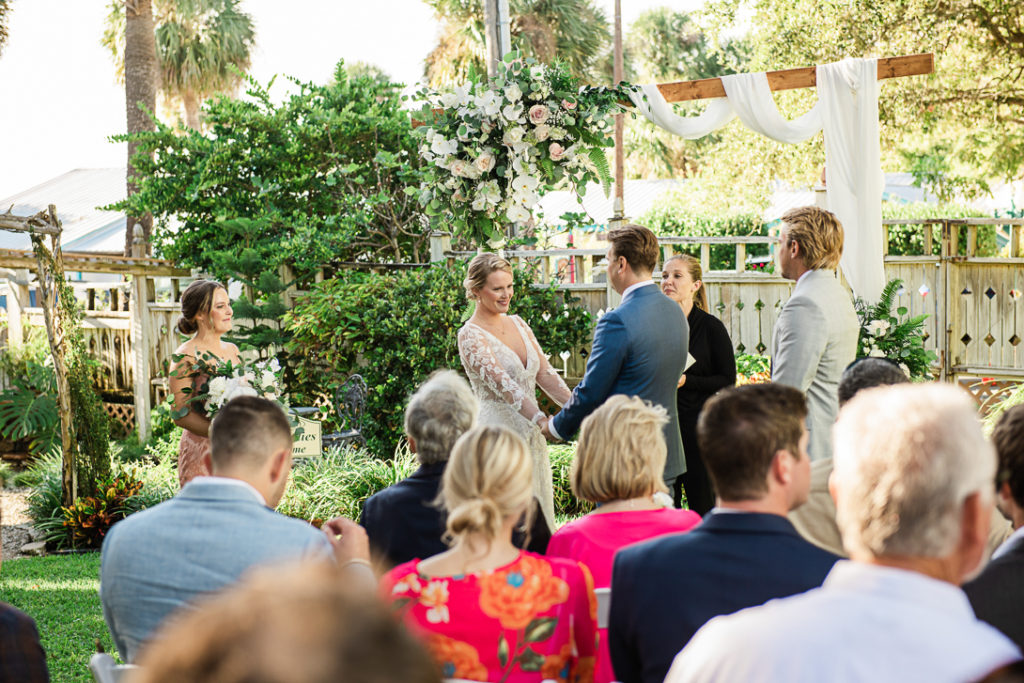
x=505, y=364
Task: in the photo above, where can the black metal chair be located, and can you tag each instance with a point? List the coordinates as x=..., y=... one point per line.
x=350, y=404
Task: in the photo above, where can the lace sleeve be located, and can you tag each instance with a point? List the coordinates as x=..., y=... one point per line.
x=479, y=361
x=550, y=382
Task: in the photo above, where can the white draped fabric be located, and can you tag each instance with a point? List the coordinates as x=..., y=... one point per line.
x=847, y=110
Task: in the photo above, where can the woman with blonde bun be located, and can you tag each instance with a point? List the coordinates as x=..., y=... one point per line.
x=505, y=365
x=206, y=315
x=487, y=610
x=619, y=463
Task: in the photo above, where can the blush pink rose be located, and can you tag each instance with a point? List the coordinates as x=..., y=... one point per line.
x=539, y=114
x=556, y=151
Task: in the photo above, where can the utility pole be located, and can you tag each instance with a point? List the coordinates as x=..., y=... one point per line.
x=497, y=33
x=618, y=210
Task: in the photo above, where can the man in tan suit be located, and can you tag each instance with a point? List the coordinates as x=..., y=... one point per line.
x=816, y=519
x=816, y=334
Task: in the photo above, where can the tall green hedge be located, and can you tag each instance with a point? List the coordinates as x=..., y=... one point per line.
x=394, y=329
x=909, y=239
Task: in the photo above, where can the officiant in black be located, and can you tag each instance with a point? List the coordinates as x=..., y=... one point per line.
x=710, y=367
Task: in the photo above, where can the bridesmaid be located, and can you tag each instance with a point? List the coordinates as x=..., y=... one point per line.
x=205, y=314
x=714, y=368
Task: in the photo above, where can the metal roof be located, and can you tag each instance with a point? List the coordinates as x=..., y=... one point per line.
x=78, y=194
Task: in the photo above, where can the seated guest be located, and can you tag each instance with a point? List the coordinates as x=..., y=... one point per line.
x=619, y=463
x=997, y=594
x=745, y=552
x=816, y=519
x=402, y=520
x=284, y=625
x=487, y=610
x=215, y=529
x=913, y=487
x=22, y=658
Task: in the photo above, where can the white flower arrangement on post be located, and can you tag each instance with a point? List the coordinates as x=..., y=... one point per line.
x=494, y=146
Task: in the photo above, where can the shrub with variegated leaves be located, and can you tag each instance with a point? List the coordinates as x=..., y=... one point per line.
x=494, y=146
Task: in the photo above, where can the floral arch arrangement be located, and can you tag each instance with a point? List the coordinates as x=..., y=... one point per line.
x=494, y=146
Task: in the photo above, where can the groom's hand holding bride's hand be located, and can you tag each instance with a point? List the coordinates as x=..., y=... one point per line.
x=547, y=432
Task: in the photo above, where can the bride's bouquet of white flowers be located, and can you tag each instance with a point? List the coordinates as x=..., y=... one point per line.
x=494, y=146
x=215, y=382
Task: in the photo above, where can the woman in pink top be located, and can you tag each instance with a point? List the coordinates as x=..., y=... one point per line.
x=486, y=610
x=619, y=462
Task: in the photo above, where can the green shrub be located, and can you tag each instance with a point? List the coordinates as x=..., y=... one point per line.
x=909, y=239
x=339, y=482
x=567, y=505
x=88, y=520
x=396, y=328
x=28, y=410
x=675, y=213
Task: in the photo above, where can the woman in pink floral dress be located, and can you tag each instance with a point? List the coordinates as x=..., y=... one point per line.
x=205, y=314
x=487, y=610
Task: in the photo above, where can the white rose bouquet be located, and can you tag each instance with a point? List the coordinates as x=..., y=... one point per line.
x=894, y=334
x=494, y=146
x=214, y=382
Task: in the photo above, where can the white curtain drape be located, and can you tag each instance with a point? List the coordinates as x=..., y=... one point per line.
x=847, y=110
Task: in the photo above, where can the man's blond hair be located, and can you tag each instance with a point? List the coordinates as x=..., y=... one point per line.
x=819, y=234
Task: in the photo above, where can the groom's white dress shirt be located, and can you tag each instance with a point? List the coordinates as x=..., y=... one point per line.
x=865, y=623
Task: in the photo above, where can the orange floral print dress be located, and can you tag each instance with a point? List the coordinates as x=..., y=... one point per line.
x=532, y=620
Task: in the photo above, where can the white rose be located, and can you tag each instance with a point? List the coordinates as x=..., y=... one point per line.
x=512, y=92
x=876, y=352
x=459, y=167
x=267, y=379
x=485, y=162
x=557, y=133
x=449, y=100
x=537, y=72
x=239, y=390
x=217, y=386
x=542, y=132
x=274, y=365
x=539, y=114
x=513, y=136
x=479, y=202
x=512, y=112
x=556, y=151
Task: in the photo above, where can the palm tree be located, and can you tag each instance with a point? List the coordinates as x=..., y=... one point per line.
x=5, y=9
x=140, y=83
x=203, y=47
x=574, y=31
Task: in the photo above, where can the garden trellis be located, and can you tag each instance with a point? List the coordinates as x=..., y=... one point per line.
x=50, y=271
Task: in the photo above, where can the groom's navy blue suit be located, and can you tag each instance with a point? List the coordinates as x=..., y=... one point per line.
x=639, y=350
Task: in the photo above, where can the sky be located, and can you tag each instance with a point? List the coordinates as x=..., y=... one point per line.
x=61, y=101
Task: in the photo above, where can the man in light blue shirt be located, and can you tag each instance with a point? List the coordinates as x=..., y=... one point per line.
x=215, y=529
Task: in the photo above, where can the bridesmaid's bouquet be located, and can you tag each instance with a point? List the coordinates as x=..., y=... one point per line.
x=214, y=382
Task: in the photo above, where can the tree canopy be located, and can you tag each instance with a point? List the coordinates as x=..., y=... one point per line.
x=203, y=48
x=574, y=31
x=955, y=129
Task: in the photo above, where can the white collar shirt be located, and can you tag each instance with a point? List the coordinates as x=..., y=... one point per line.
x=635, y=286
x=1006, y=546
x=866, y=623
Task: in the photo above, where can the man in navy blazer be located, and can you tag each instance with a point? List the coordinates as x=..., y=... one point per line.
x=745, y=552
x=639, y=348
x=216, y=528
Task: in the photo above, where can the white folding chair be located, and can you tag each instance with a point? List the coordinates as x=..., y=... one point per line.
x=604, y=603
x=105, y=670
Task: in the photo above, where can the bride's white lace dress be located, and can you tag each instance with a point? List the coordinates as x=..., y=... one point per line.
x=506, y=389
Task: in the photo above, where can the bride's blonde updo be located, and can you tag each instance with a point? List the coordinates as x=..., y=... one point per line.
x=489, y=478
x=480, y=269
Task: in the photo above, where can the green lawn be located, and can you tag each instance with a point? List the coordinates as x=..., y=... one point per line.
x=62, y=594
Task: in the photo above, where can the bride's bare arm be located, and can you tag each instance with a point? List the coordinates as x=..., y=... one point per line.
x=549, y=381
x=479, y=360
x=177, y=382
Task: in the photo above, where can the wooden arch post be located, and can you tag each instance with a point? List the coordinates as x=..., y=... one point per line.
x=50, y=273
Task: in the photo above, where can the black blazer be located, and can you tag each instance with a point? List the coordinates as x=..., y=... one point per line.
x=664, y=590
x=997, y=594
x=22, y=658
x=401, y=521
x=714, y=367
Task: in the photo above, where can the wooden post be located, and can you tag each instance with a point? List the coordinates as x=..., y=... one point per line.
x=440, y=242
x=972, y=241
x=1015, y=241
x=140, y=337
x=741, y=257
x=705, y=256
x=885, y=240
x=928, y=239
x=17, y=302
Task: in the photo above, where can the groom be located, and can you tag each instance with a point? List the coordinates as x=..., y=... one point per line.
x=639, y=348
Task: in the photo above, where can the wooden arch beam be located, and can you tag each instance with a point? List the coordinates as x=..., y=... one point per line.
x=791, y=79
